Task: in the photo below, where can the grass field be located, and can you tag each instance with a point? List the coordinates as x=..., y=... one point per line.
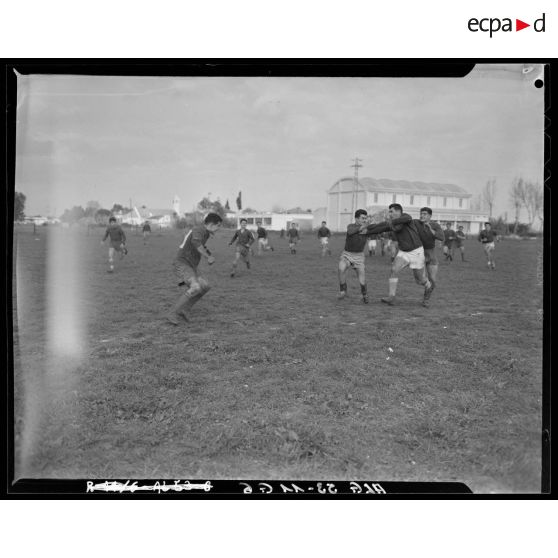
x=274, y=377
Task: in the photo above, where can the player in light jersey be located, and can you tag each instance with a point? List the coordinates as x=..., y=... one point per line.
x=186, y=264
x=117, y=242
x=324, y=235
x=244, y=239
x=487, y=237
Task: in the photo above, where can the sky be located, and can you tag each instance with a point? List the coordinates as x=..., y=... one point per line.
x=283, y=142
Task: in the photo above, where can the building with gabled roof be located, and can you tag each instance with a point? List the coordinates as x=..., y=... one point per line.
x=449, y=202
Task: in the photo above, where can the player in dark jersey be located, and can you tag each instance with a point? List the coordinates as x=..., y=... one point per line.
x=244, y=239
x=323, y=235
x=487, y=237
x=263, y=241
x=410, y=250
x=353, y=255
x=117, y=242
x=146, y=230
x=449, y=240
x=460, y=241
x=186, y=265
x=429, y=232
x=293, y=237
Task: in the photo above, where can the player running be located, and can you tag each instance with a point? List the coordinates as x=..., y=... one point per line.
x=324, y=235
x=460, y=242
x=244, y=240
x=449, y=239
x=429, y=232
x=186, y=265
x=293, y=237
x=263, y=241
x=410, y=253
x=117, y=242
x=487, y=237
x=353, y=255
x=146, y=230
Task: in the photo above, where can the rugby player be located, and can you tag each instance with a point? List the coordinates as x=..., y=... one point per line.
x=429, y=232
x=324, y=234
x=460, y=241
x=487, y=236
x=449, y=238
x=117, y=242
x=410, y=250
x=244, y=239
x=263, y=242
x=294, y=237
x=186, y=265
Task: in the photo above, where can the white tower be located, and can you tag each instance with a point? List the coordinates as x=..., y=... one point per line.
x=176, y=205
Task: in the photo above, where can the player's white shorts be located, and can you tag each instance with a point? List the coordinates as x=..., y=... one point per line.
x=488, y=246
x=354, y=259
x=324, y=240
x=371, y=244
x=262, y=242
x=414, y=259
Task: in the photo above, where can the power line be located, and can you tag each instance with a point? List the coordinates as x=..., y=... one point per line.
x=356, y=165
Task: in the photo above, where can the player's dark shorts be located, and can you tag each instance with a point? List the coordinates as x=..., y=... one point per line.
x=184, y=272
x=243, y=251
x=458, y=243
x=116, y=245
x=430, y=256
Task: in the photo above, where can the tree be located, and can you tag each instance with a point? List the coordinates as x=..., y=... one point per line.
x=278, y=208
x=73, y=215
x=227, y=206
x=102, y=216
x=19, y=206
x=532, y=200
x=117, y=207
x=488, y=195
x=249, y=210
x=207, y=206
x=516, y=197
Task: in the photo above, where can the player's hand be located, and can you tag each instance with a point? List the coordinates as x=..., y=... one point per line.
x=210, y=260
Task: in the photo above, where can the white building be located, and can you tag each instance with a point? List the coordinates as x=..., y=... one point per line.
x=277, y=221
x=162, y=217
x=449, y=203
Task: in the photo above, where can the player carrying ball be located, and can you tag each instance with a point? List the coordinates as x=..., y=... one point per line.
x=410, y=253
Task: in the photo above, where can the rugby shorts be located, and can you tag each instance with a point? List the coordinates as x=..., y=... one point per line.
x=414, y=259
x=354, y=259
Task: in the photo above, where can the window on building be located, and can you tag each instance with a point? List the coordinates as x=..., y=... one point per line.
x=250, y=220
x=412, y=200
x=460, y=202
x=375, y=197
x=428, y=200
x=267, y=221
x=445, y=202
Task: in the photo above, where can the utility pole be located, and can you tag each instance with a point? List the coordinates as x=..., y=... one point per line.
x=356, y=165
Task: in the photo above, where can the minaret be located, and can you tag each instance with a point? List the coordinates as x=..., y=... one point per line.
x=176, y=205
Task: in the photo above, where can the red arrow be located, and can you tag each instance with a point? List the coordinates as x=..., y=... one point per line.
x=519, y=25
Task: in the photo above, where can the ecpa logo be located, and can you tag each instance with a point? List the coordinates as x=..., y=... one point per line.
x=494, y=24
